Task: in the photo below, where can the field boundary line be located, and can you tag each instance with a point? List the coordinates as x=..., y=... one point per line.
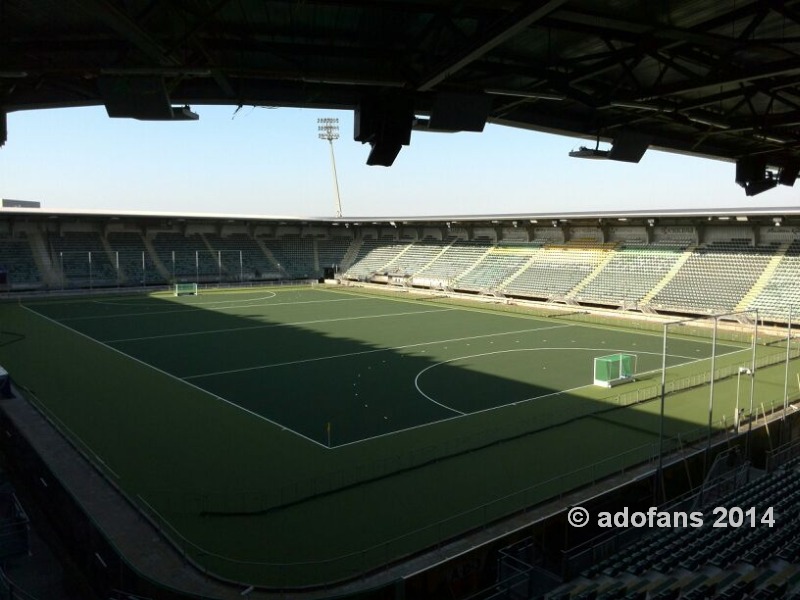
x=175, y=377
x=478, y=309
x=269, y=326
x=490, y=308
x=190, y=308
x=199, y=303
x=348, y=354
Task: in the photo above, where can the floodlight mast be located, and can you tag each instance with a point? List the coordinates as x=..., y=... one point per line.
x=329, y=130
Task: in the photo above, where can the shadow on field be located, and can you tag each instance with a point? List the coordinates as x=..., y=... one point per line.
x=473, y=401
x=339, y=369
x=342, y=371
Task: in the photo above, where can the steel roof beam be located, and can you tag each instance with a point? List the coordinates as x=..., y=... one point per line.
x=502, y=30
x=777, y=69
x=129, y=29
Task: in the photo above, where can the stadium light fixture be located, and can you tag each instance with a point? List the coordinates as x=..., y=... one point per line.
x=768, y=137
x=328, y=128
x=530, y=95
x=591, y=153
x=708, y=120
x=639, y=106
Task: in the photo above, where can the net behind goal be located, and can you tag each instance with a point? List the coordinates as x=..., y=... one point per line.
x=614, y=369
x=186, y=289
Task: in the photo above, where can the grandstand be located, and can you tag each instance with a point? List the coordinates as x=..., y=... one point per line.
x=678, y=270
x=631, y=273
x=599, y=289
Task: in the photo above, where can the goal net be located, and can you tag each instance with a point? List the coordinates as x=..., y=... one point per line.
x=614, y=369
x=186, y=289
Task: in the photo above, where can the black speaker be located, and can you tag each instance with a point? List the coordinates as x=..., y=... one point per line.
x=329, y=272
x=385, y=122
x=750, y=169
x=629, y=146
x=455, y=111
x=789, y=173
x=140, y=97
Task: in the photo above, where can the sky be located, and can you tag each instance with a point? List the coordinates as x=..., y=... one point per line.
x=270, y=161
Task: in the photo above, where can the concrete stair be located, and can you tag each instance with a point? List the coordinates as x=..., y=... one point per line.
x=764, y=278
x=670, y=274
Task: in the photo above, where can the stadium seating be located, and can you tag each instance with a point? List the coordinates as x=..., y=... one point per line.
x=783, y=288
x=455, y=261
x=331, y=252
x=498, y=265
x=374, y=256
x=82, y=259
x=187, y=258
x=715, y=278
x=254, y=263
x=417, y=256
x=630, y=274
x=557, y=269
x=708, y=278
x=135, y=263
x=710, y=562
x=295, y=256
x=16, y=257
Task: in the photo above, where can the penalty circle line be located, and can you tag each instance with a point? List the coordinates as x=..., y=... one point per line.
x=444, y=362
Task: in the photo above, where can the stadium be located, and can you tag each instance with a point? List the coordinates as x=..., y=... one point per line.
x=544, y=404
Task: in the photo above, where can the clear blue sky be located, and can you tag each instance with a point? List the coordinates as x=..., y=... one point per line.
x=271, y=162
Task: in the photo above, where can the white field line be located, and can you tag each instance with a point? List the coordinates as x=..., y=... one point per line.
x=272, y=325
x=477, y=309
x=575, y=389
x=198, y=303
x=170, y=375
x=348, y=354
x=189, y=308
x=315, y=442
x=444, y=362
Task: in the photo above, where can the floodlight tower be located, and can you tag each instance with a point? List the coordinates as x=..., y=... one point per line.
x=329, y=130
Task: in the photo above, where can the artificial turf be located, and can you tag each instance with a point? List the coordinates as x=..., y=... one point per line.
x=295, y=436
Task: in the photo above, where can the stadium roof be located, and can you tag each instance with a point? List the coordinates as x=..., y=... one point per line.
x=757, y=215
x=719, y=79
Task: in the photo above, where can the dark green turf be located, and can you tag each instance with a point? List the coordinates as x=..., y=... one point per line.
x=404, y=472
